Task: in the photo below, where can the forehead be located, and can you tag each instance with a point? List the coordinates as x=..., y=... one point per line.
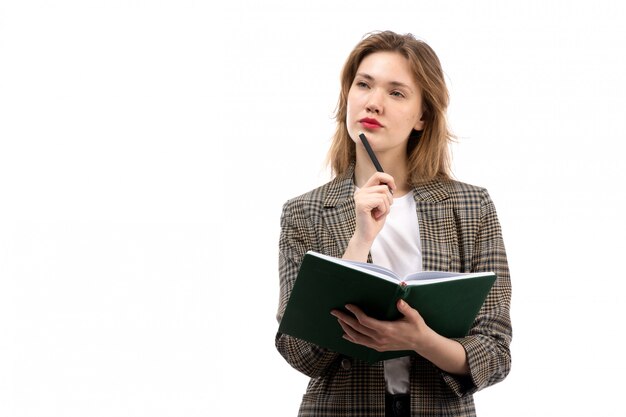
x=387, y=67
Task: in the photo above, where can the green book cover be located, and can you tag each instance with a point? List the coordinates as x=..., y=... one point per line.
x=448, y=302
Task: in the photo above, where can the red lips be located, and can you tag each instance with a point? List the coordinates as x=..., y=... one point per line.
x=370, y=123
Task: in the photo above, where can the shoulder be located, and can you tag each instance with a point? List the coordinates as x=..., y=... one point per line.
x=462, y=191
x=461, y=195
x=311, y=196
x=470, y=201
x=332, y=194
x=445, y=189
x=313, y=201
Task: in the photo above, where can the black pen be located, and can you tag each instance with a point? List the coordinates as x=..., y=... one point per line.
x=372, y=155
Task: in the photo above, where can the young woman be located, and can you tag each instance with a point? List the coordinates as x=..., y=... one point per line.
x=412, y=217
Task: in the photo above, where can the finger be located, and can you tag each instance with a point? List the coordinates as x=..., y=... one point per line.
x=376, y=204
x=366, y=324
x=382, y=178
x=348, y=321
x=384, y=203
x=341, y=315
x=354, y=336
x=405, y=308
x=381, y=211
x=348, y=330
x=409, y=312
x=382, y=190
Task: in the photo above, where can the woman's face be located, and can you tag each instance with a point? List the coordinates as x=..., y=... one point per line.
x=384, y=102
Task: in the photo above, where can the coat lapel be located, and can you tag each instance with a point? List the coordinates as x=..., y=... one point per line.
x=437, y=222
x=338, y=215
x=438, y=232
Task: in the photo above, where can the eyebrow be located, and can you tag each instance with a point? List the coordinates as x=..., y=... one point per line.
x=392, y=83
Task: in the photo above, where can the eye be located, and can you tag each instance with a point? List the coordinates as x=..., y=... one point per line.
x=397, y=94
x=361, y=84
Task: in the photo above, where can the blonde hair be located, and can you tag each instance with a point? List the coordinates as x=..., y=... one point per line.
x=428, y=151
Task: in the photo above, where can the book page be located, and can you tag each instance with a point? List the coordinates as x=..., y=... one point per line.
x=431, y=277
x=372, y=269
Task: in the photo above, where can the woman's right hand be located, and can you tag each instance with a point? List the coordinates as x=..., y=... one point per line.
x=372, y=204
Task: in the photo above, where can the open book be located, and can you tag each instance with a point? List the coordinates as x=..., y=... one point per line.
x=448, y=301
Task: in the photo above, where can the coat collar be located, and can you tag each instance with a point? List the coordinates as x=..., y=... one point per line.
x=434, y=215
x=342, y=188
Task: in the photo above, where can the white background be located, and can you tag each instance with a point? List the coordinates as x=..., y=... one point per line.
x=146, y=149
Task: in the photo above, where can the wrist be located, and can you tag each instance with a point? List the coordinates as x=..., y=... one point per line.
x=426, y=342
x=358, y=249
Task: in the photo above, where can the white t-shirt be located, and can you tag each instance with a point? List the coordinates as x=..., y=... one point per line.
x=398, y=248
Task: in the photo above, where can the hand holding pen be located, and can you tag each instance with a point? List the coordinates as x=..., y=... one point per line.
x=373, y=202
x=372, y=155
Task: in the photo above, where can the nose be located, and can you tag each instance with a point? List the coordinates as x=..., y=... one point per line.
x=374, y=103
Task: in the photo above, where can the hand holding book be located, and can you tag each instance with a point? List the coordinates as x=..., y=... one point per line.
x=410, y=333
x=382, y=335
x=447, y=302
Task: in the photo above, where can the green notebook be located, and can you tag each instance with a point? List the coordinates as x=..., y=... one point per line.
x=448, y=301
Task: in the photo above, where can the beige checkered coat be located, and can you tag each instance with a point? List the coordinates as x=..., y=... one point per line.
x=459, y=231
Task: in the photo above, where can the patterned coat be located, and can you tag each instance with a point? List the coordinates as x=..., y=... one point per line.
x=459, y=231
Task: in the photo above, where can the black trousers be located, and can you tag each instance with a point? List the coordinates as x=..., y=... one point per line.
x=397, y=405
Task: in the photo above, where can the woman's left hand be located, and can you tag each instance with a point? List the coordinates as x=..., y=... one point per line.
x=407, y=333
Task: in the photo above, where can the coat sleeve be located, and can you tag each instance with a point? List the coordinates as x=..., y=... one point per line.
x=487, y=344
x=296, y=237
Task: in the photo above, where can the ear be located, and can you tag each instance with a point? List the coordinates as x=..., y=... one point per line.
x=419, y=125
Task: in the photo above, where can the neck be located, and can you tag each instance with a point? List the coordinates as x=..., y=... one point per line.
x=396, y=166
